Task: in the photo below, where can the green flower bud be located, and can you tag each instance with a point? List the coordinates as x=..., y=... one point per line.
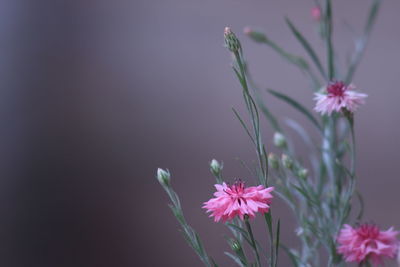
x=279, y=140
x=303, y=173
x=273, y=161
x=287, y=162
x=255, y=36
x=231, y=41
x=216, y=167
x=164, y=177
x=235, y=245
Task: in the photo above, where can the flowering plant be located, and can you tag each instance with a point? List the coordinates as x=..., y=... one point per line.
x=319, y=191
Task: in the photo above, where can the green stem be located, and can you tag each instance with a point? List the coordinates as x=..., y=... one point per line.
x=353, y=143
x=329, y=46
x=253, y=241
x=254, y=115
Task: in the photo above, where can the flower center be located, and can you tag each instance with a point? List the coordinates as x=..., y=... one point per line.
x=336, y=89
x=368, y=231
x=236, y=191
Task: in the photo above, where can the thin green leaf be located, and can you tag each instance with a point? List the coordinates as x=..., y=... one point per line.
x=306, y=45
x=361, y=200
x=329, y=45
x=362, y=42
x=234, y=258
x=270, y=117
x=239, y=76
x=241, y=231
x=295, y=259
x=304, y=194
x=213, y=262
x=301, y=132
x=297, y=106
x=189, y=234
x=236, y=246
x=294, y=59
x=373, y=12
x=252, y=173
x=199, y=244
x=278, y=230
x=244, y=126
x=268, y=220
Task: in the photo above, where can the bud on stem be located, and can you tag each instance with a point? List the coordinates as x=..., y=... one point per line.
x=235, y=245
x=280, y=140
x=164, y=177
x=273, y=161
x=231, y=41
x=287, y=162
x=255, y=36
x=303, y=173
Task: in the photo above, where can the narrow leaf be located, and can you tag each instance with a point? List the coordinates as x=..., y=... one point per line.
x=244, y=125
x=294, y=59
x=361, y=200
x=241, y=231
x=278, y=230
x=234, y=258
x=329, y=45
x=306, y=45
x=362, y=42
x=270, y=117
x=297, y=106
x=295, y=260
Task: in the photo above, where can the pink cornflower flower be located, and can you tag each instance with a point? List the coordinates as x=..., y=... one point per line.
x=367, y=242
x=238, y=200
x=338, y=96
x=316, y=13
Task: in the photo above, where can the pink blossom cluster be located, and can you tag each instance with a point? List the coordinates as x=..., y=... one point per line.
x=367, y=242
x=237, y=200
x=338, y=96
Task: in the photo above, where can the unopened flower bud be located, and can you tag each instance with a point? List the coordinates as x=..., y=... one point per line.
x=164, y=177
x=287, y=162
x=235, y=245
x=299, y=231
x=316, y=13
x=216, y=167
x=303, y=173
x=231, y=41
x=255, y=36
x=279, y=140
x=273, y=161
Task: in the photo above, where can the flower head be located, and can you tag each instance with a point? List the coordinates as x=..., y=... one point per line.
x=316, y=13
x=367, y=242
x=163, y=176
x=215, y=167
x=237, y=200
x=231, y=41
x=280, y=140
x=338, y=96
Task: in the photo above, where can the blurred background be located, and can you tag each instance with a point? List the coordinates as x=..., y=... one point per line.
x=96, y=95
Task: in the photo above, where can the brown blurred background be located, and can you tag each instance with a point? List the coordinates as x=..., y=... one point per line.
x=97, y=94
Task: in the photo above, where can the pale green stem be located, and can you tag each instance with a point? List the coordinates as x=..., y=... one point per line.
x=253, y=241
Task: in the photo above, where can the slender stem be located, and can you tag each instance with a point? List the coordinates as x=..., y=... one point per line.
x=252, y=109
x=268, y=221
x=253, y=241
x=353, y=142
x=329, y=46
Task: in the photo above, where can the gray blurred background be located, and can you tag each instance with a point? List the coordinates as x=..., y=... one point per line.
x=96, y=95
